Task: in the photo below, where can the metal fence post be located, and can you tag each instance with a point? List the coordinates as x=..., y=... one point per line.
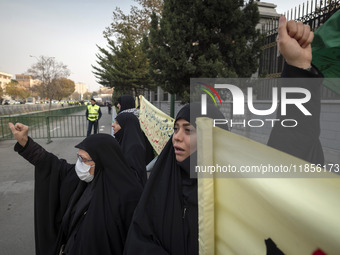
x=48, y=130
x=2, y=129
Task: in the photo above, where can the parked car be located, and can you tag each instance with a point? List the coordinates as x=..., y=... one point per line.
x=30, y=100
x=12, y=102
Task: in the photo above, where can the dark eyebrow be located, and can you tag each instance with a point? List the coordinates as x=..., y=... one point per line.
x=183, y=125
x=84, y=157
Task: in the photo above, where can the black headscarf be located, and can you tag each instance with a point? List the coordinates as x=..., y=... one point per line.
x=127, y=105
x=131, y=140
x=190, y=112
x=126, y=102
x=166, y=218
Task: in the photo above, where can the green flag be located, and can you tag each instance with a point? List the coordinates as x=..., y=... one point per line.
x=326, y=51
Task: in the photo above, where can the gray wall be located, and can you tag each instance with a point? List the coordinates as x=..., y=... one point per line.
x=164, y=106
x=24, y=108
x=330, y=130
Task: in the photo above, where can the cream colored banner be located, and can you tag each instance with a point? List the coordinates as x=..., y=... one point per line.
x=157, y=126
x=236, y=215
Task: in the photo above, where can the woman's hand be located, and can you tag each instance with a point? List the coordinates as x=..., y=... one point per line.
x=20, y=132
x=294, y=42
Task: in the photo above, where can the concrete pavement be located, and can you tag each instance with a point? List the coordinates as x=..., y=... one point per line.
x=16, y=189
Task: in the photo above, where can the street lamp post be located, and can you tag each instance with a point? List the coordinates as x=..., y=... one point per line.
x=31, y=56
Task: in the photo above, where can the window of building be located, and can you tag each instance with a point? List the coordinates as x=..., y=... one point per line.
x=166, y=96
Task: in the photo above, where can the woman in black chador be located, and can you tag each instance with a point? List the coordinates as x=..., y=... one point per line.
x=128, y=133
x=126, y=104
x=166, y=218
x=83, y=208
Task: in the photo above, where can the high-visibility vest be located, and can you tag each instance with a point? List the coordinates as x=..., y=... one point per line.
x=93, y=112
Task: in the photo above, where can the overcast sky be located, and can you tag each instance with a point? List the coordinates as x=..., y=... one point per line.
x=65, y=29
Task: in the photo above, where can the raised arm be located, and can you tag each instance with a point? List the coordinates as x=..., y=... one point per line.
x=294, y=42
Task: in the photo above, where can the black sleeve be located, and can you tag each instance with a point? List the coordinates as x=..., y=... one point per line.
x=32, y=151
x=100, y=114
x=295, y=72
x=302, y=140
x=87, y=112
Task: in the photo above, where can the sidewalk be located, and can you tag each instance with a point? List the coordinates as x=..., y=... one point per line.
x=17, y=186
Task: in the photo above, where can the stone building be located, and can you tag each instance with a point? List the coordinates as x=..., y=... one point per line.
x=81, y=89
x=25, y=80
x=4, y=79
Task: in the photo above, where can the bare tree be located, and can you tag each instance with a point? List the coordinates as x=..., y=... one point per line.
x=47, y=70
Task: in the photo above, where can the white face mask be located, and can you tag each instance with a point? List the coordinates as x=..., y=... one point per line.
x=83, y=171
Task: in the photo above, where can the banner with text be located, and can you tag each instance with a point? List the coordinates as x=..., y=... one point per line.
x=157, y=126
x=299, y=214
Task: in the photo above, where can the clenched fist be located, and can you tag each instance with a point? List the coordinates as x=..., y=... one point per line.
x=20, y=132
x=294, y=42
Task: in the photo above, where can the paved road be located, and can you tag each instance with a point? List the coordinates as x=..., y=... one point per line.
x=16, y=190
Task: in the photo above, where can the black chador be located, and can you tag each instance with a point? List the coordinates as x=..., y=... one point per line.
x=83, y=218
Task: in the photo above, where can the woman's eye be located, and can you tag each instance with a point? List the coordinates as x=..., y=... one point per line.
x=191, y=131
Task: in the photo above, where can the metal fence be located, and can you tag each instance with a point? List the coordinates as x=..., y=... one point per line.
x=47, y=125
x=313, y=13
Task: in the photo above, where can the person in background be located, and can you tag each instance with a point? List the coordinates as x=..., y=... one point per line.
x=127, y=104
x=128, y=133
x=82, y=208
x=109, y=107
x=93, y=115
x=166, y=218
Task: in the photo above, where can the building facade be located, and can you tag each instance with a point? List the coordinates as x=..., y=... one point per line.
x=25, y=80
x=4, y=79
x=267, y=13
x=81, y=89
